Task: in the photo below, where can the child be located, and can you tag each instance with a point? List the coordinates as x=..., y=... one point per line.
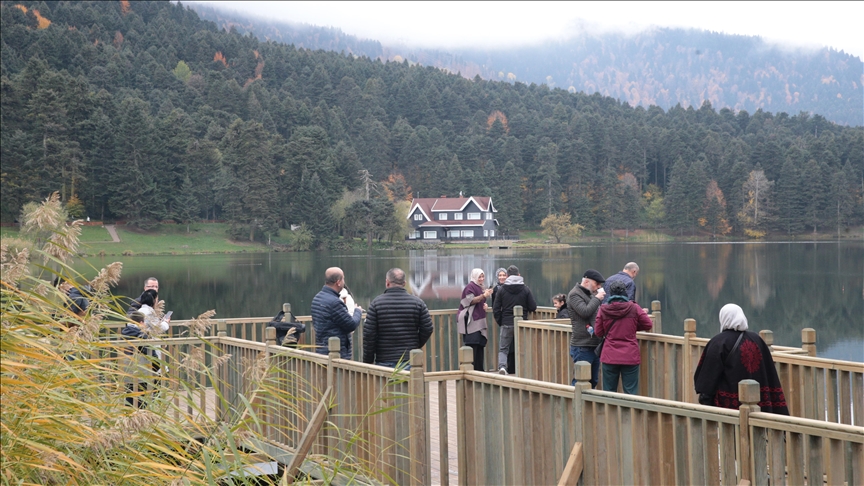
x=560, y=303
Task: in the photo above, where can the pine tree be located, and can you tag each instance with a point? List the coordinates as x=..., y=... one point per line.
x=676, y=197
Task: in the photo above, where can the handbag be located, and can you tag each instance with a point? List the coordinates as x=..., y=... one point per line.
x=599, y=348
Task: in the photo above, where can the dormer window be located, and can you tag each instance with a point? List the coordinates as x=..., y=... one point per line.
x=457, y=216
x=418, y=217
x=442, y=216
x=473, y=215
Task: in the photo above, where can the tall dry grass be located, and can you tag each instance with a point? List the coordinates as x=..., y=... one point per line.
x=64, y=416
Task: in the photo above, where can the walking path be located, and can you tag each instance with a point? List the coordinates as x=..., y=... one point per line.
x=112, y=232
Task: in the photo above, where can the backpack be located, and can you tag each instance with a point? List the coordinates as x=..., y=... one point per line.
x=284, y=327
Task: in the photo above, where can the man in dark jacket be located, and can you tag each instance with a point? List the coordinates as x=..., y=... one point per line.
x=583, y=302
x=512, y=293
x=626, y=276
x=396, y=323
x=330, y=317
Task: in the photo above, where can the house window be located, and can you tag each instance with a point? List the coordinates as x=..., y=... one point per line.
x=491, y=233
x=473, y=215
x=442, y=216
x=457, y=216
x=414, y=235
x=485, y=233
x=430, y=235
x=467, y=233
x=453, y=234
x=418, y=217
x=488, y=215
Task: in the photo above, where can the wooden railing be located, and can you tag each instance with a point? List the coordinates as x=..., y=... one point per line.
x=513, y=430
x=374, y=417
x=815, y=388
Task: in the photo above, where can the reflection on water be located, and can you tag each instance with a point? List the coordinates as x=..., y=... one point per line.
x=783, y=287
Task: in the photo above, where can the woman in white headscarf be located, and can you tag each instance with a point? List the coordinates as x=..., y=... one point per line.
x=472, y=316
x=733, y=355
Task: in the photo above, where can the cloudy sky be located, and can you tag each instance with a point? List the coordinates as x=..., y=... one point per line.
x=461, y=24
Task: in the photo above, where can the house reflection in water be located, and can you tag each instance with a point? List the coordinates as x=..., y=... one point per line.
x=439, y=279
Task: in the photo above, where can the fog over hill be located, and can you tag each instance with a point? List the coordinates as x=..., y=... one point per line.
x=662, y=66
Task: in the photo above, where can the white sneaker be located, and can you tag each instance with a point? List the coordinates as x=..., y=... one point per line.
x=502, y=370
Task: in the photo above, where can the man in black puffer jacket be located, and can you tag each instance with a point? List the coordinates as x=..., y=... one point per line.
x=396, y=323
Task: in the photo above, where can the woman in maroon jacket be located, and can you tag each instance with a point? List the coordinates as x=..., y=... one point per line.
x=618, y=320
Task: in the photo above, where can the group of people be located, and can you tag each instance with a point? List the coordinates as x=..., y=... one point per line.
x=598, y=309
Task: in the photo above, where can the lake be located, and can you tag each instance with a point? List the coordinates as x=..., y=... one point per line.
x=783, y=287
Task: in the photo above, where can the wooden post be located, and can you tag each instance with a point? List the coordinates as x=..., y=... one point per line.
x=221, y=331
x=687, y=387
x=582, y=372
x=333, y=346
x=808, y=340
x=658, y=323
x=768, y=337
x=270, y=337
x=466, y=359
x=517, y=320
x=748, y=395
x=466, y=363
x=417, y=419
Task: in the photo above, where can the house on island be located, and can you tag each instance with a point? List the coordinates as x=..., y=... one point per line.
x=452, y=218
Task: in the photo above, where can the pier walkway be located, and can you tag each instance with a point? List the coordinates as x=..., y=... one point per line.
x=443, y=423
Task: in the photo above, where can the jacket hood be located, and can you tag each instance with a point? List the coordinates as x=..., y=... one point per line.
x=617, y=310
x=514, y=280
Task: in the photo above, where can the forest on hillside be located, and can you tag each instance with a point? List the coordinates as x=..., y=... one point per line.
x=657, y=66
x=143, y=112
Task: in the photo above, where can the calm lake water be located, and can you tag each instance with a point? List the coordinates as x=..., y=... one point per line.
x=783, y=287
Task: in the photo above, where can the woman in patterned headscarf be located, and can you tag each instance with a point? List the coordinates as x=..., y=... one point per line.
x=472, y=316
x=733, y=355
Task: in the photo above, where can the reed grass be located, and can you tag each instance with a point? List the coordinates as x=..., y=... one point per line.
x=65, y=418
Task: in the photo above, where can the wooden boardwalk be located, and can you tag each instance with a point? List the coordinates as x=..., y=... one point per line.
x=434, y=436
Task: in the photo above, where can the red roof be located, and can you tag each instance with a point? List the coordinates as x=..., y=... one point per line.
x=429, y=205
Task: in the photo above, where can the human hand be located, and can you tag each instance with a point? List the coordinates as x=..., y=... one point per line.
x=601, y=293
x=485, y=306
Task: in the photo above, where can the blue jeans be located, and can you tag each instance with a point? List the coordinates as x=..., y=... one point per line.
x=629, y=378
x=579, y=353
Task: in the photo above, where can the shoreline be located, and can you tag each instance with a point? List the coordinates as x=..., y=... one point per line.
x=212, y=238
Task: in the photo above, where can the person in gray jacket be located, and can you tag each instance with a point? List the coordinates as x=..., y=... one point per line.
x=583, y=302
x=396, y=323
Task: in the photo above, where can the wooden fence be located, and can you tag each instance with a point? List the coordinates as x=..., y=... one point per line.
x=815, y=388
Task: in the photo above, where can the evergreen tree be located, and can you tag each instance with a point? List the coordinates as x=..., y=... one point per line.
x=676, y=197
x=313, y=209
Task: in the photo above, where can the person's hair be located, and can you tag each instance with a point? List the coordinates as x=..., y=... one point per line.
x=559, y=298
x=332, y=277
x=617, y=288
x=149, y=279
x=512, y=270
x=500, y=270
x=396, y=276
x=148, y=297
x=137, y=317
x=475, y=275
x=632, y=266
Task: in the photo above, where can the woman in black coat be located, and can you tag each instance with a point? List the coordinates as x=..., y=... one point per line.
x=733, y=355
